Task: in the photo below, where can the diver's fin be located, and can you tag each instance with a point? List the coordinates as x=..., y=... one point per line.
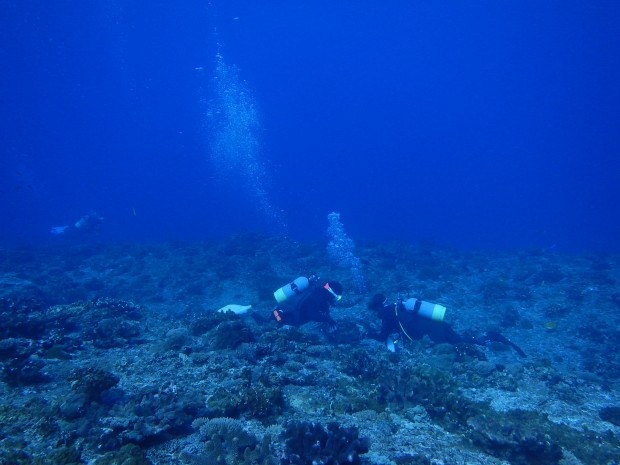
x=495, y=336
x=237, y=309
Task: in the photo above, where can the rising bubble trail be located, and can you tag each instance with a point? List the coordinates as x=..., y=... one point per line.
x=234, y=135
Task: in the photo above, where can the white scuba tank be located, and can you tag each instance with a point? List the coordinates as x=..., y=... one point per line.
x=293, y=288
x=425, y=309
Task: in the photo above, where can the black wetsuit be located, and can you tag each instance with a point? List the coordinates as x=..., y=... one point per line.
x=396, y=319
x=311, y=305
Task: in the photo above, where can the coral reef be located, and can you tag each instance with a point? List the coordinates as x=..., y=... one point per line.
x=259, y=398
x=92, y=382
x=226, y=442
x=309, y=443
x=17, y=366
x=129, y=454
x=514, y=438
x=116, y=354
x=610, y=414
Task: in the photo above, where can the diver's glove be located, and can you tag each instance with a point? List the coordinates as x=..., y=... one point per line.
x=393, y=343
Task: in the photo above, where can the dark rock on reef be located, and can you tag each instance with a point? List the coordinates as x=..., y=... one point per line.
x=610, y=414
x=17, y=364
x=514, y=438
x=92, y=382
x=308, y=443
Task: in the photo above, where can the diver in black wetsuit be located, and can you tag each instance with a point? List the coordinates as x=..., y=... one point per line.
x=88, y=224
x=415, y=318
x=310, y=304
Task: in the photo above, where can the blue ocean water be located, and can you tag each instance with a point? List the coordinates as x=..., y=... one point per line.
x=472, y=125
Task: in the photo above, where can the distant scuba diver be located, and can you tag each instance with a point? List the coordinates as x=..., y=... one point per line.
x=415, y=318
x=89, y=223
x=306, y=299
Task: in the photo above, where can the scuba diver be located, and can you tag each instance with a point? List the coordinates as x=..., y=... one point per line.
x=415, y=318
x=89, y=223
x=306, y=299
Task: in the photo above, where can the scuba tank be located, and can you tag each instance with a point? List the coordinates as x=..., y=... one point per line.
x=293, y=288
x=427, y=310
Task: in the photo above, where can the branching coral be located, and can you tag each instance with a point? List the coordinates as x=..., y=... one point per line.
x=226, y=442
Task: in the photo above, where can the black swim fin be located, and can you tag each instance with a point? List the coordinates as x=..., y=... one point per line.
x=495, y=336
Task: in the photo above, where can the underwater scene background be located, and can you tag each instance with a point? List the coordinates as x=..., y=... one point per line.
x=162, y=162
x=480, y=125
